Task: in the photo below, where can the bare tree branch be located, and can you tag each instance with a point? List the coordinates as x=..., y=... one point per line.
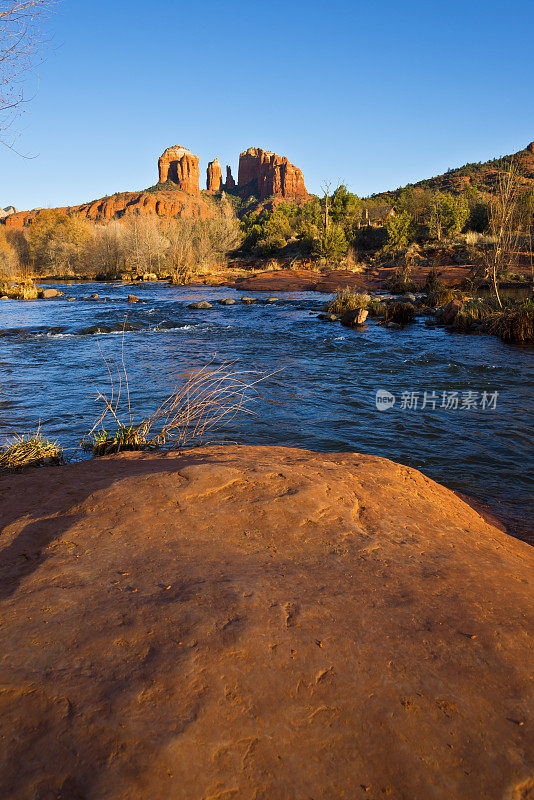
x=22, y=40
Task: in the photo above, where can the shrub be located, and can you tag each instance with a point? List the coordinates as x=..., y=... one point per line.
x=348, y=300
x=24, y=290
x=514, y=325
x=31, y=450
x=401, y=281
x=332, y=245
x=478, y=218
x=402, y=313
x=433, y=282
x=473, y=311
x=400, y=230
x=448, y=214
x=444, y=296
x=376, y=308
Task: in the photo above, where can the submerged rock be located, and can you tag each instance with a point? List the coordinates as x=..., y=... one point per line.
x=327, y=317
x=260, y=622
x=133, y=299
x=228, y=301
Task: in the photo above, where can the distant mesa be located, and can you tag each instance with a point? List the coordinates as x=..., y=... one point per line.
x=179, y=165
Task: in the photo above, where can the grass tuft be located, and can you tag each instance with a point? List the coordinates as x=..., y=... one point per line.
x=514, y=325
x=32, y=450
x=103, y=443
x=348, y=300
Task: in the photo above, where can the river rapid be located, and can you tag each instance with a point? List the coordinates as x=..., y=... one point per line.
x=472, y=431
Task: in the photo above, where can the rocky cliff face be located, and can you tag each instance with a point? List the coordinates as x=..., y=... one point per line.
x=179, y=165
x=214, y=176
x=168, y=204
x=265, y=174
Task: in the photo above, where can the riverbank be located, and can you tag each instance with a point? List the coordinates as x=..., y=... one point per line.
x=205, y=623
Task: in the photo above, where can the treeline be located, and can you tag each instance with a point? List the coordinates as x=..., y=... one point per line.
x=334, y=225
x=59, y=244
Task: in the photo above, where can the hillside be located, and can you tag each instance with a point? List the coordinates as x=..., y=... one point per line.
x=480, y=176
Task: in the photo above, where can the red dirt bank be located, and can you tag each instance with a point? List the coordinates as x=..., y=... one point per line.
x=259, y=622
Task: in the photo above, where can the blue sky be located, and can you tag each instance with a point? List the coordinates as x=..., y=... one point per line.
x=371, y=94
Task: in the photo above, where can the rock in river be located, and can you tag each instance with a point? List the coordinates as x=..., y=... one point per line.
x=354, y=318
x=201, y=306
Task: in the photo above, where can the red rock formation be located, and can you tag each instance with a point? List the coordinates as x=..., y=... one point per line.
x=179, y=165
x=260, y=622
x=230, y=182
x=169, y=204
x=530, y=147
x=214, y=176
x=267, y=174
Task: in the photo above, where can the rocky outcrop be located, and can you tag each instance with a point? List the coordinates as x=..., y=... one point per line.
x=168, y=204
x=265, y=174
x=259, y=622
x=230, y=182
x=214, y=177
x=7, y=211
x=179, y=165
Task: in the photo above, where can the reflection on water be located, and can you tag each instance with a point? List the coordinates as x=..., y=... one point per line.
x=51, y=368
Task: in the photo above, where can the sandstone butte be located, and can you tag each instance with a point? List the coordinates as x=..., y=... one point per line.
x=268, y=175
x=260, y=623
x=179, y=165
x=265, y=174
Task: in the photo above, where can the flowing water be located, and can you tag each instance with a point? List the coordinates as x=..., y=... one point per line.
x=325, y=391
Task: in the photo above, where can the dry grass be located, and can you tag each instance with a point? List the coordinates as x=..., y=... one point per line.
x=31, y=450
x=23, y=290
x=348, y=300
x=196, y=402
x=514, y=325
x=444, y=296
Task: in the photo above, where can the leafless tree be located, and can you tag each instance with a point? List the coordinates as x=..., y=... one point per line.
x=503, y=225
x=22, y=38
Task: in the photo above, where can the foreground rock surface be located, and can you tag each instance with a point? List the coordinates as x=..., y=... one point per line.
x=259, y=622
